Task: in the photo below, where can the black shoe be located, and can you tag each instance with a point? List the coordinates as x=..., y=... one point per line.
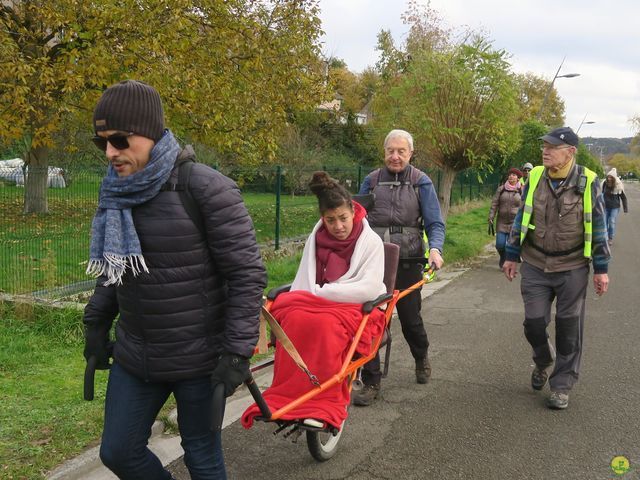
x=423, y=370
x=558, y=401
x=366, y=396
x=539, y=378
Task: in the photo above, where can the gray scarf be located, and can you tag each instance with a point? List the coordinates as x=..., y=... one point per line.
x=114, y=241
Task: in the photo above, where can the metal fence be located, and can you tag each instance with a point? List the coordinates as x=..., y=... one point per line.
x=46, y=255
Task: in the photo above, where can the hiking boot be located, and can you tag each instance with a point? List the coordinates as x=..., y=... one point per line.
x=366, y=396
x=539, y=378
x=423, y=370
x=558, y=401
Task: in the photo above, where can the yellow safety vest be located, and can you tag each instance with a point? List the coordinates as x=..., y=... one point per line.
x=534, y=179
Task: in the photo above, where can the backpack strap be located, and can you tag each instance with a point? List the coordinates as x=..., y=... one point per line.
x=184, y=166
x=415, y=176
x=374, y=179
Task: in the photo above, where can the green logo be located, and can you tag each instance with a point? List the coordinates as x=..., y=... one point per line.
x=620, y=465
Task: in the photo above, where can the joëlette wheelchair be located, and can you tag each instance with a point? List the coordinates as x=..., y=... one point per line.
x=322, y=439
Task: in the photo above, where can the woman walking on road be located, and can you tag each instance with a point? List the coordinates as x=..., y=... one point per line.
x=506, y=202
x=613, y=192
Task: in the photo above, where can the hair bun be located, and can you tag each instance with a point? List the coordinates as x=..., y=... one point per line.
x=320, y=182
x=330, y=193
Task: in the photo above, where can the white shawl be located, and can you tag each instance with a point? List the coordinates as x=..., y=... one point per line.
x=362, y=282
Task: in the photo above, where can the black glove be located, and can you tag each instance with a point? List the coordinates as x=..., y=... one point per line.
x=97, y=344
x=231, y=371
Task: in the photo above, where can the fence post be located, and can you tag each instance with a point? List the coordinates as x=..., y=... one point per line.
x=278, y=193
x=359, y=177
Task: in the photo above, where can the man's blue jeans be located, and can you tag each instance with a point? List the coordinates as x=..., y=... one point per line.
x=131, y=407
x=611, y=214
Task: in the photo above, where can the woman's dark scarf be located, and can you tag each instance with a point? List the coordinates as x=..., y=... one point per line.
x=114, y=241
x=333, y=256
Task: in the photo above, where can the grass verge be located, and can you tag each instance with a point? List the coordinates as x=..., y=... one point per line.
x=44, y=420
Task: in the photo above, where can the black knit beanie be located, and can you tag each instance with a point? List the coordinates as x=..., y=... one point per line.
x=130, y=106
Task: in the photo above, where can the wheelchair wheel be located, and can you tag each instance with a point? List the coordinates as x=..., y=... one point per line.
x=323, y=445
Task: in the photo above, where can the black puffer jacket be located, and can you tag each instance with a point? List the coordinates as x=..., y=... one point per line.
x=200, y=297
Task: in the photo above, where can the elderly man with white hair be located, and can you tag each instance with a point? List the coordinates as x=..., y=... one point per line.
x=406, y=207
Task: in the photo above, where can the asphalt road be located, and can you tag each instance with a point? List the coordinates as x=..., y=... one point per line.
x=479, y=418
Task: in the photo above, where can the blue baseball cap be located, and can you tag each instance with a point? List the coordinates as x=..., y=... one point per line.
x=561, y=135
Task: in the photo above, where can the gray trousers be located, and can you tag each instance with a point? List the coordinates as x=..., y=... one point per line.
x=569, y=289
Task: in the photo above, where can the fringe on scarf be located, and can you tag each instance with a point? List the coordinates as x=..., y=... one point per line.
x=114, y=266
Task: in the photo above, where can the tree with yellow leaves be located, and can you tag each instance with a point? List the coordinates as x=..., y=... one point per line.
x=229, y=71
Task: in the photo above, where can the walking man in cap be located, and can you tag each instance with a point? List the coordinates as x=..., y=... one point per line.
x=526, y=168
x=559, y=232
x=188, y=295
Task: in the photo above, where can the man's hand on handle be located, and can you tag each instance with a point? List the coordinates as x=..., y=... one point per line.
x=435, y=259
x=97, y=345
x=231, y=371
x=98, y=349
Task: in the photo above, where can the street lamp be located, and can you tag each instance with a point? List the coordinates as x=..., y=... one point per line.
x=557, y=75
x=589, y=122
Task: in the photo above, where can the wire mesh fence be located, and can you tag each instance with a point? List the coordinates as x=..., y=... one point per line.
x=46, y=254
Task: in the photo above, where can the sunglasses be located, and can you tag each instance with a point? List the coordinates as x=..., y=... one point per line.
x=119, y=141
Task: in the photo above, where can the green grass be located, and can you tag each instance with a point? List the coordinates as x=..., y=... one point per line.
x=466, y=232
x=44, y=419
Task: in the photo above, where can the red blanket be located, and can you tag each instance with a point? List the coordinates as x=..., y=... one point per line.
x=322, y=332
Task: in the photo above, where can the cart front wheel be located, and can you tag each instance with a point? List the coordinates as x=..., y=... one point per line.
x=323, y=445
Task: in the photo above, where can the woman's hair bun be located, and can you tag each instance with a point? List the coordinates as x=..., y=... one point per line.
x=320, y=182
x=329, y=192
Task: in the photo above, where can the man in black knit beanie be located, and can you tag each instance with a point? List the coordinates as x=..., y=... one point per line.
x=187, y=293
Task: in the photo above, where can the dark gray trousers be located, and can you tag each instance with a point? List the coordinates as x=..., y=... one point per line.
x=569, y=290
x=409, y=313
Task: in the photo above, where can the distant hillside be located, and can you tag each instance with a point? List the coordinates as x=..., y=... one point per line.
x=609, y=146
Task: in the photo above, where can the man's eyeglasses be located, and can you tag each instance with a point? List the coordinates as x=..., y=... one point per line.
x=119, y=141
x=554, y=147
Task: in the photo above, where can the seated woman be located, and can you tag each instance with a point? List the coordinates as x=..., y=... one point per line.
x=342, y=267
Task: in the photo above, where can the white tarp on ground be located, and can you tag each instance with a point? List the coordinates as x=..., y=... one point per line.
x=11, y=171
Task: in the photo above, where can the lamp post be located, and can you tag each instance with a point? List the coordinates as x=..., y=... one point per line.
x=589, y=122
x=546, y=96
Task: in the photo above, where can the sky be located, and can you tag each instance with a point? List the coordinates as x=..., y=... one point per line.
x=599, y=40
